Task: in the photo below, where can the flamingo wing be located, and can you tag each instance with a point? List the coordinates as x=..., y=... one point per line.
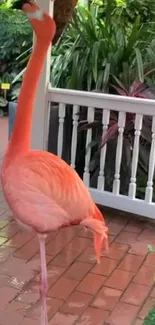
x=46, y=193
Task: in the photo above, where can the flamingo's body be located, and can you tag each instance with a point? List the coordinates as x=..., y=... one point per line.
x=44, y=192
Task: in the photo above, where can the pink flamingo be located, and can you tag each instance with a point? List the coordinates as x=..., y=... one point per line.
x=43, y=192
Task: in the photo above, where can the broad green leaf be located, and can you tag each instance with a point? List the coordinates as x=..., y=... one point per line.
x=106, y=75
x=95, y=55
x=140, y=65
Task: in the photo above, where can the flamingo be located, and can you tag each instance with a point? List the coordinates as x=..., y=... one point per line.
x=43, y=191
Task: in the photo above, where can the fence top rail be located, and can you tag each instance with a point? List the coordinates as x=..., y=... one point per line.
x=103, y=101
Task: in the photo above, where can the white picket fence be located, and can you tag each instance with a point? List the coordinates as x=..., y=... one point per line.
x=107, y=103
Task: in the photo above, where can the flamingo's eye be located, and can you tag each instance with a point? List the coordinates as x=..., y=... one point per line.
x=38, y=14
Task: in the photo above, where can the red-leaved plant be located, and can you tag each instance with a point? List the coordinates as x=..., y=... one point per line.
x=137, y=89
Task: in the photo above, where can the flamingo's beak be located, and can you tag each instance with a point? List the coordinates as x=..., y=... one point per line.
x=18, y=4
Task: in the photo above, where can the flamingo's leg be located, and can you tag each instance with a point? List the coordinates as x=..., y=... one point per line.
x=43, y=288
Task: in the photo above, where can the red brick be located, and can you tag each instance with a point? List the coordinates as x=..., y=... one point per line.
x=76, y=303
x=115, y=228
x=107, y=218
x=53, y=273
x=111, y=239
x=7, y=215
x=62, y=288
x=19, y=272
x=119, y=217
x=65, y=258
x=123, y=314
x=139, y=322
x=28, y=250
x=88, y=255
x=4, y=280
x=145, y=276
x=9, y=231
x=131, y=263
x=34, y=263
x=5, y=253
x=62, y=319
x=6, y=294
x=116, y=251
x=78, y=270
x=91, y=283
x=150, y=260
x=26, y=321
x=56, y=245
x=29, y=297
x=152, y=294
x=18, y=307
x=134, y=226
x=138, y=248
x=68, y=233
x=119, y=279
x=7, y=317
x=52, y=307
x=19, y=240
x=51, y=236
x=78, y=244
x=146, y=308
x=93, y=316
x=106, y=266
x=147, y=236
x=107, y=298
x=149, y=225
x=126, y=238
x=135, y=294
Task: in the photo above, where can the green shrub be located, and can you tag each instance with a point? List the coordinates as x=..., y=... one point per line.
x=150, y=319
x=15, y=38
x=92, y=49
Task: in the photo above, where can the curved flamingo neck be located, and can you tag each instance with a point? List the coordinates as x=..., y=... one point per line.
x=44, y=28
x=20, y=140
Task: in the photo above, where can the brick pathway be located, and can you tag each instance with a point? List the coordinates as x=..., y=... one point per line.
x=119, y=291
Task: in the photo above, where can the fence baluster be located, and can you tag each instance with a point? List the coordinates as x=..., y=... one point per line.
x=149, y=188
x=76, y=109
x=105, y=123
x=135, y=154
x=121, y=124
x=90, y=119
x=62, y=112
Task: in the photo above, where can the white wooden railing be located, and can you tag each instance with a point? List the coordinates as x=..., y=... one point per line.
x=107, y=103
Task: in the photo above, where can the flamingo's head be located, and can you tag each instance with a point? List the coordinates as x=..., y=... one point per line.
x=18, y=4
x=97, y=225
x=42, y=23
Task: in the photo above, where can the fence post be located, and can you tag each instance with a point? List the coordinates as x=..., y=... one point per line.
x=41, y=111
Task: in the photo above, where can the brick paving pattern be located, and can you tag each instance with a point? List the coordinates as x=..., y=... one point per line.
x=119, y=291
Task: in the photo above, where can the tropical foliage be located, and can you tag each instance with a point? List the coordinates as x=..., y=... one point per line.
x=93, y=49
x=15, y=38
